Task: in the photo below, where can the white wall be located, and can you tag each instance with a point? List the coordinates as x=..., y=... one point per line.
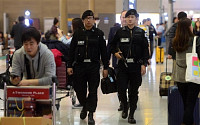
x=184, y=5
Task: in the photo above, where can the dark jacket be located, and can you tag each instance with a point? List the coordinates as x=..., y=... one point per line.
x=112, y=32
x=171, y=34
x=139, y=48
x=55, y=44
x=16, y=33
x=197, y=33
x=152, y=31
x=88, y=44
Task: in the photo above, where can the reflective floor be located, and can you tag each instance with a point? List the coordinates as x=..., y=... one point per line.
x=152, y=109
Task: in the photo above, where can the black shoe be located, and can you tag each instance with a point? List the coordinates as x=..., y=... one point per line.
x=131, y=120
x=124, y=114
x=91, y=119
x=120, y=107
x=83, y=114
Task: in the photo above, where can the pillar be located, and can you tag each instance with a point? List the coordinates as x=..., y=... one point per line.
x=63, y=16
x=170, y=13
x=126, y=5
x=91, y=5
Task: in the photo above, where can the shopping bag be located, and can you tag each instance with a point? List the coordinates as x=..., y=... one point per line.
x=193, y=65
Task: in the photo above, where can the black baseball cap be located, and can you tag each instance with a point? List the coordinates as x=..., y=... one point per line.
x=87, y=13
x=132, y=12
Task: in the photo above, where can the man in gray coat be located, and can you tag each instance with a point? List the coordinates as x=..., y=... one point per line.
x=34, y=60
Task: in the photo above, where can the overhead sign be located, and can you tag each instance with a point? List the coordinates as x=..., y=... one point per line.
x=132, y=4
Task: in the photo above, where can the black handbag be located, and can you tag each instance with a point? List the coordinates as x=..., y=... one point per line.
x=109, y=84
x=5, y=77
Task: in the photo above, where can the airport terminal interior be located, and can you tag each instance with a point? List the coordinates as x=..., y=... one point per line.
x=152, y=109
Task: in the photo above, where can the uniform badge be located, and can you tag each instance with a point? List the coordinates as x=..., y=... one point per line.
x=124, y=40
x=81, y=42
x=130, y=60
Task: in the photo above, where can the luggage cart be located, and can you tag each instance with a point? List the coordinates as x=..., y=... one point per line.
x=63, y=80
x=68, y=93
x=59, y=90
x=36, y=92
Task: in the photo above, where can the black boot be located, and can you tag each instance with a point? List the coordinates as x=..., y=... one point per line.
x=91, y=119
x=131, y=119
x=83, y=114
x=125, y=113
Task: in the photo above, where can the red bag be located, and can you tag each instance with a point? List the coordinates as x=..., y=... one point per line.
x=57, y=55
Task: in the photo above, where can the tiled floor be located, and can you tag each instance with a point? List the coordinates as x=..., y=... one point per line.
x=152, y=109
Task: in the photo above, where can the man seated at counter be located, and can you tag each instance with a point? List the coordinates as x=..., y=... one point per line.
x=33, y=64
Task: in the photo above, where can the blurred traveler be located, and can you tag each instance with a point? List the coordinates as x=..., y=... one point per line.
x=112, y=32
x=53, y=30
x=17, y=31
x=197, y=28
x=160, y=31
x=2, y=39
x=152, y=32
x=145, y=27
x=166, y=34
x=175, y=20
x=76, y=24
x=172, y=31
x=2, y=42
x=182, y=44
x=137, y=20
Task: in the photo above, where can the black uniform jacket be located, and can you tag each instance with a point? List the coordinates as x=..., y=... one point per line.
x=88, y=44
x=132, y=41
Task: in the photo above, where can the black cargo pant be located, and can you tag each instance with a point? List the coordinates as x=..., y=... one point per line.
x=189, y=93
x=131, y=81
x=87, y=77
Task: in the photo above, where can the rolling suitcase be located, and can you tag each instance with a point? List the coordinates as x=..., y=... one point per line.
x=62, y=76
x=159, y=54
x=166, y=80
x=175, y=108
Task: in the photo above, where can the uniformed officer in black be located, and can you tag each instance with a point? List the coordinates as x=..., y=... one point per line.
x=86, y=47
x=130, y=46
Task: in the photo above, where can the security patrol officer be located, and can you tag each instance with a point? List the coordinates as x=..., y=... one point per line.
x=130, y=46
x=86, y=47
